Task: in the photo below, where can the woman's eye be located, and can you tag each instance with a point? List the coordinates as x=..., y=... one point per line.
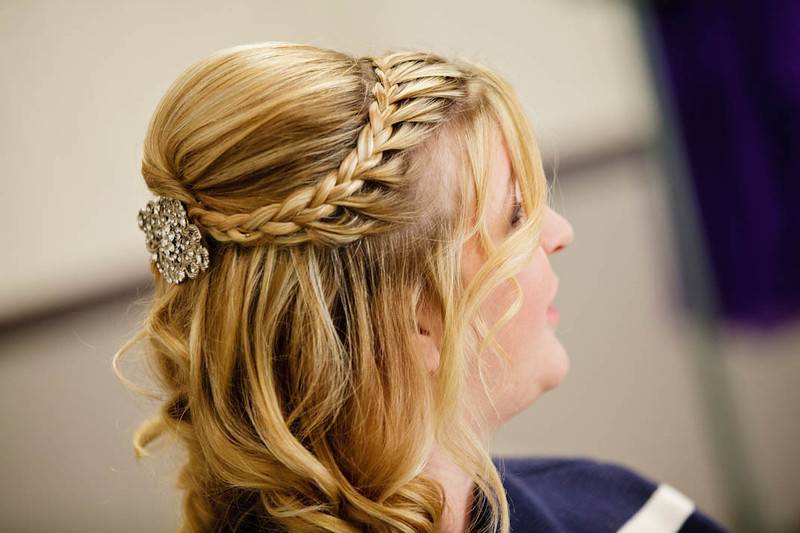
x=516, y=214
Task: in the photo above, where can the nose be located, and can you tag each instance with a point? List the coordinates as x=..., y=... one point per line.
x=557, y=232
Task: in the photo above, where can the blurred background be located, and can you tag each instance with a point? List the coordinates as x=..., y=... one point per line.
x=670, y=131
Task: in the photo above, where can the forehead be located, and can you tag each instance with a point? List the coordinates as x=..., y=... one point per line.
x=446, y=165
x=502, y=185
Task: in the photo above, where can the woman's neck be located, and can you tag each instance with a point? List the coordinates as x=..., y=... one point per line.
x=458, y=489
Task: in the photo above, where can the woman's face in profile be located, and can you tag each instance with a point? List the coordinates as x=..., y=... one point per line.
x=538, y=361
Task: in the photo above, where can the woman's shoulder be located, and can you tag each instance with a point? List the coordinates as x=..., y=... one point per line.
x=578, y=493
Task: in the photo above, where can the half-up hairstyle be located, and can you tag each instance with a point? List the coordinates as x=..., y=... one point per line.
x=335, y=195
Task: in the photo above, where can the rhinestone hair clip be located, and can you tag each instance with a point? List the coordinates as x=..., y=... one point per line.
x=174, y=243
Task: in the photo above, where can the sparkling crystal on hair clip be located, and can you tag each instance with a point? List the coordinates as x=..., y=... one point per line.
x=173, y=242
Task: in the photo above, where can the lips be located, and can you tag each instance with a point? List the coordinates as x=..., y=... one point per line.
x=552, y=314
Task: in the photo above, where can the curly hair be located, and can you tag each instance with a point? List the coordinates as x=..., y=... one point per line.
x=335, y=195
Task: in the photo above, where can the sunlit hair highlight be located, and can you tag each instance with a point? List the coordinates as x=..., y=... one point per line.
x=336, y=195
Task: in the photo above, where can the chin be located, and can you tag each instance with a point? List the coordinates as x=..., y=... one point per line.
x=559, y=370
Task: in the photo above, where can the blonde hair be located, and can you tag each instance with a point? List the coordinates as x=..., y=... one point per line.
x=289, y=370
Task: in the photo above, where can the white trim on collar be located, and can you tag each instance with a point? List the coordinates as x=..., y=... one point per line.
x=665, y=511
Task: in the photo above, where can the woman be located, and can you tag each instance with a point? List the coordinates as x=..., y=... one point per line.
x=352, y=293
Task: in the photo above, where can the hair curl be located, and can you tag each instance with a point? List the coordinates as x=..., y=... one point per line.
x=332, y=193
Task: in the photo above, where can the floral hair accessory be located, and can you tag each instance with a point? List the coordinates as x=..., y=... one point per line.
x=174, y=243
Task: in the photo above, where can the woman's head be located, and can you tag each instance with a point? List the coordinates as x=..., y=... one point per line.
x=350, y=209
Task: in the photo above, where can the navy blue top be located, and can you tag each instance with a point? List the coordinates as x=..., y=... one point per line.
x=579, y=494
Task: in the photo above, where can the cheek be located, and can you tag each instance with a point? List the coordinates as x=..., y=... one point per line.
x=536, y=281
x=537, y=360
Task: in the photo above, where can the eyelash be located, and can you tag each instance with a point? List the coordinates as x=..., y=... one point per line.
x=516, y=213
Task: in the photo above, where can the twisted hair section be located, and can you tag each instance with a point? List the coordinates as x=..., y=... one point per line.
x=289, y=371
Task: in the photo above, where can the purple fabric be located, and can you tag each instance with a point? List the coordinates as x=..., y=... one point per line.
x=733, y=67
